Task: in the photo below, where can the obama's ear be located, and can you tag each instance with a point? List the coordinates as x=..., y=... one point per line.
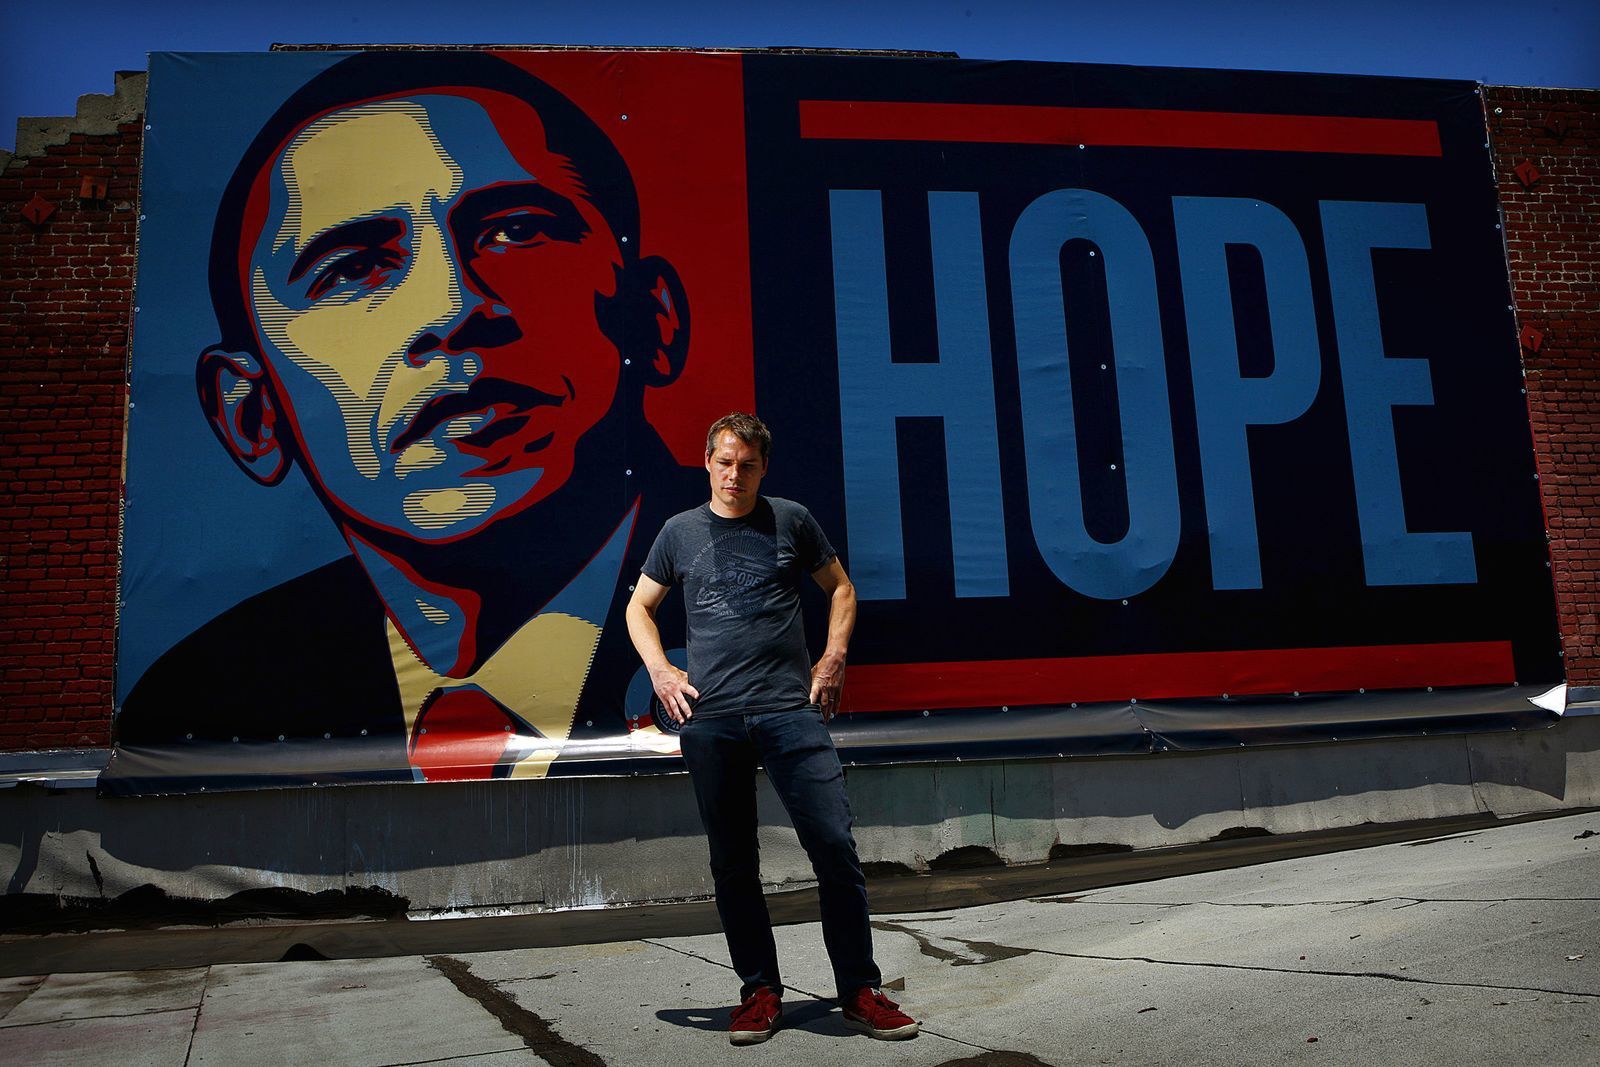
x=244, y=414
x=667, y=342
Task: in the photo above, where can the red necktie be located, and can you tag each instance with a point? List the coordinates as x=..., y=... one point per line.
x=460, y=734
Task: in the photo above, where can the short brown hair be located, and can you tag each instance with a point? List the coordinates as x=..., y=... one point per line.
x=747, y=428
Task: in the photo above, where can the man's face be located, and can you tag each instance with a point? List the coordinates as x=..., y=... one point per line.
x=425, y=291
x=736, y=470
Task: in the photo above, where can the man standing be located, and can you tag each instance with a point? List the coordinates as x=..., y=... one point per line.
x=750, y=695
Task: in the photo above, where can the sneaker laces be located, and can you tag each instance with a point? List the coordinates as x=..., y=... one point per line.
x=757, y=1007
x=878, y=1005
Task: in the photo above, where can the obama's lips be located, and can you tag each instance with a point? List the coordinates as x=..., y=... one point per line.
x=509, y=407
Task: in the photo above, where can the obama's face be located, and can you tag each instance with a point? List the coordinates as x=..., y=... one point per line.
x=427, y=284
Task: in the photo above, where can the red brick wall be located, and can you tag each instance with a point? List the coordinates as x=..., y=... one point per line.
x=65, y=290
x=65, y=301
x=1552, y=220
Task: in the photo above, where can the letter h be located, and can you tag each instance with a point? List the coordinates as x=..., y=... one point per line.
x=874, y=391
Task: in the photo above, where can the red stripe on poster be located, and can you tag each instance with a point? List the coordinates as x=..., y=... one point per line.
x=1021, y=682
x=879, y=120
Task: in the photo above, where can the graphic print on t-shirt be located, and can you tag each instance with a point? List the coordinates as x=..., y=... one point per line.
x=730, y=569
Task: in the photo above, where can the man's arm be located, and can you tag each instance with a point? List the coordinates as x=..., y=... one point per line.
x=671, y=684
x=827, y=677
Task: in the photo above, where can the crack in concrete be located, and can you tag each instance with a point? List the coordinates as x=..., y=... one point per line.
x=455, y=1059
x=199, y=1006
x=91, y=1018
x=535, y=1032
x=1410, y=902
x=927, y=948
x=1383, y=975
x=691, y=955
x=32, y=989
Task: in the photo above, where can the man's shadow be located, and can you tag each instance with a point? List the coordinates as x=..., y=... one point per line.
x=816, y=1016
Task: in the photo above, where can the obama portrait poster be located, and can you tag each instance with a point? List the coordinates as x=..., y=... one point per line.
x=1153, y=408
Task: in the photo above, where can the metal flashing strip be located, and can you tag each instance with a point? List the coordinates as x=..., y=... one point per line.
x=64, y=768
x=1582, y=700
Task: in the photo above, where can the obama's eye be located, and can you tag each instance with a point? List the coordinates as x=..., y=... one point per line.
x=513, y=229
x=355, y=257
x=361, y=270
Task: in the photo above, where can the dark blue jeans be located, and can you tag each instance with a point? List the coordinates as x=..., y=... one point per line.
x=797, y=751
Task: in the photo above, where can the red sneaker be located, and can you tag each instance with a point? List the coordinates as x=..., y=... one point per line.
x=755, y=1019
x=871, y=1011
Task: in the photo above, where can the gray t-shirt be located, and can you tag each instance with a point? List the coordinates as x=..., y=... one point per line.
x=741, y=583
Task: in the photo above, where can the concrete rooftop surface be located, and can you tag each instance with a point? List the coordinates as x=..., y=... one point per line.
x=1475, y=946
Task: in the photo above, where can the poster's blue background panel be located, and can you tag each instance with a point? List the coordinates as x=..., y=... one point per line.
x=198, y=537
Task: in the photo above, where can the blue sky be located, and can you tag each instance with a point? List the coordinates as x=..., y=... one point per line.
x=55, y=52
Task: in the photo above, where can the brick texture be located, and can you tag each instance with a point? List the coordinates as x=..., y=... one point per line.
x=65, y=289
x=1552, y=229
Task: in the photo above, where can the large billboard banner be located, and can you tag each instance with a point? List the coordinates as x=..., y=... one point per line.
x=1148, y=408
